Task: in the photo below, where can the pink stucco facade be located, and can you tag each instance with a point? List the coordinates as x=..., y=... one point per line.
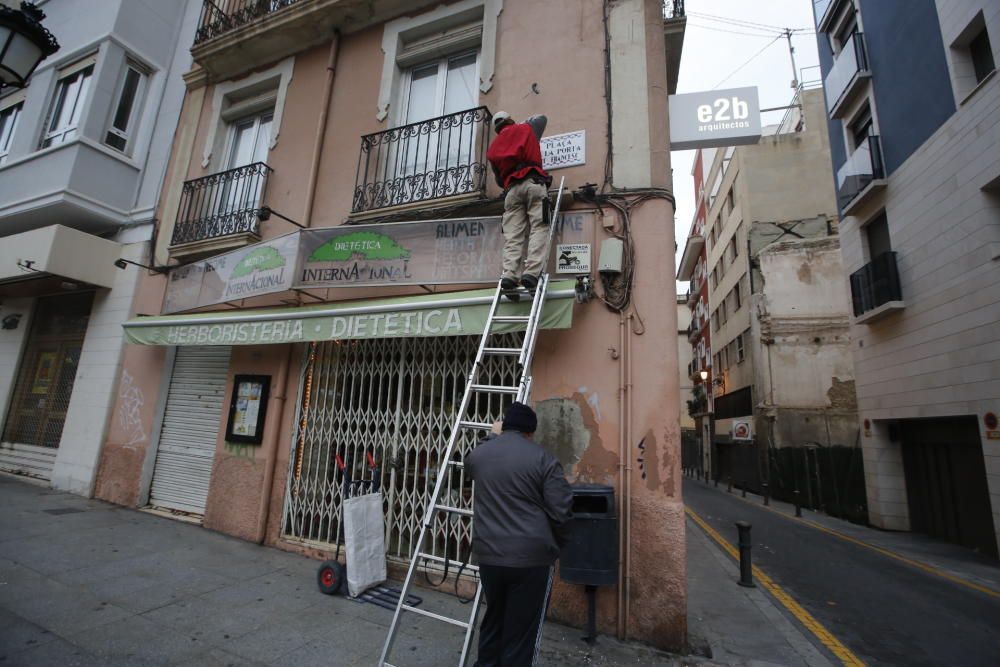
x=618, y=369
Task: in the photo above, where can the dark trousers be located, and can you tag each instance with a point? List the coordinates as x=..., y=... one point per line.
x=515, y=607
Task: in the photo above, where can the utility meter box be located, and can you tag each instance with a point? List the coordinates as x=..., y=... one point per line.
x=612, y=251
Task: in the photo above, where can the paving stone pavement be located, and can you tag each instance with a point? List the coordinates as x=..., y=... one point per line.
x=83, y=582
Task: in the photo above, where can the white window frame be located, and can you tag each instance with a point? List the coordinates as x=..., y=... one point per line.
x=451, y=24
x=138, y=101
x=740, y=349
x=12, y=101
x=442, y=78
x=48, y=133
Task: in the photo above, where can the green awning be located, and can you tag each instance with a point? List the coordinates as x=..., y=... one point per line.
x=452, y=314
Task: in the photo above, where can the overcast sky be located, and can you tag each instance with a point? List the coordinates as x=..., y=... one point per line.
x=723, y=49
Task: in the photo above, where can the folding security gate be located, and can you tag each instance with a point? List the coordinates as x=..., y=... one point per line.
x=394, y=398
x=191, y=421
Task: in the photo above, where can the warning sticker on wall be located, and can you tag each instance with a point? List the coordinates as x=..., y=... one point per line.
x=573, y=258
x=742, y=430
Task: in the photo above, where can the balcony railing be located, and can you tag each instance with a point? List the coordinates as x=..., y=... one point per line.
x=221, y=204
x=875, y=284
x=221, y=16
x=864, y=165
x=439, y=157
x=851, y=63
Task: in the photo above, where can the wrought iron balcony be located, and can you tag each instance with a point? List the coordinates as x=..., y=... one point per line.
x=862, y=167
x=439, y=157
x=221, y=204
x=220, y=16
x=875, y=284
x=849, y=67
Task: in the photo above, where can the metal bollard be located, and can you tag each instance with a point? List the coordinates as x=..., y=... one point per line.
x=798, y=504
x=767, y=494
x=746, y=567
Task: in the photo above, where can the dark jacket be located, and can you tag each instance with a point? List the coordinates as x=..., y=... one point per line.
x=516, y=153
x=522, y=502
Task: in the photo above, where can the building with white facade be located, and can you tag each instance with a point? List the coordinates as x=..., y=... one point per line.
x=83, y=152
x=912, y=95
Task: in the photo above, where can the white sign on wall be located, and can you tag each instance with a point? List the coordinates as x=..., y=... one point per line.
x=564, y=150
x=714, y=118
x=573, y=258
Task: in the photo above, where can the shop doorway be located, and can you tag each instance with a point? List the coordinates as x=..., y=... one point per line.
x=44, y=385
x=191, y=419
x=395, y=399
x=946, y=484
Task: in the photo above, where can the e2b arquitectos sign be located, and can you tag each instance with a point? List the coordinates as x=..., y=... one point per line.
x=714, y=118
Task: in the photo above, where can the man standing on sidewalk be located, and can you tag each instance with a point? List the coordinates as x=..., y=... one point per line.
x=516, y=158
x=523, y=506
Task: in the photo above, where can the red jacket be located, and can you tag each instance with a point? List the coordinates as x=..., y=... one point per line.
x=515, y=153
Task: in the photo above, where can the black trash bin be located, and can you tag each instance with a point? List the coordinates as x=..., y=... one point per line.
x=590, y=557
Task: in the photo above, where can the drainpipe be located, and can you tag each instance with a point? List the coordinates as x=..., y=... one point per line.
x=628, y=472
x=278, y=414
x=622, y=458
x=324, y=114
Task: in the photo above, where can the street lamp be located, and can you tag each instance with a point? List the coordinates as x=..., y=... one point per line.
x=24, y=43
x=704, y=376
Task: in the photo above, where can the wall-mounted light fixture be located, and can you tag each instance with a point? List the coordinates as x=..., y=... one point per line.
x=122, y=263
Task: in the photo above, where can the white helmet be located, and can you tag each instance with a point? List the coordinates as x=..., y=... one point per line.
x=499, y=118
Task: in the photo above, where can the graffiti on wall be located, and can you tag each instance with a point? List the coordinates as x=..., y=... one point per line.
x=130, y=413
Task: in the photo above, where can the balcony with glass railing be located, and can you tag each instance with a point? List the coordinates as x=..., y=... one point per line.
x=221, y=207
x=434, y=159
x=850, y=68
x=875, y=289
x=861, y=174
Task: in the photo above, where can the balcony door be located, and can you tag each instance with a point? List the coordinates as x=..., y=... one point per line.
x=439, y=88
x=249, y=139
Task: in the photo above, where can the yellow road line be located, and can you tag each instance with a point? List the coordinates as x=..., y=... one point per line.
x=818, y=629
x=930, y=569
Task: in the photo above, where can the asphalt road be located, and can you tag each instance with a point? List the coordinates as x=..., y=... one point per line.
x=886, y=612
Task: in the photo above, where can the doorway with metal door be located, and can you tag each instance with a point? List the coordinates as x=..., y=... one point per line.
x=37, y=414
x=192, y=416
x=946, y=486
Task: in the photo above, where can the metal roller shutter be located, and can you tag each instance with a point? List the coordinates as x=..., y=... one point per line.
x=191, y=421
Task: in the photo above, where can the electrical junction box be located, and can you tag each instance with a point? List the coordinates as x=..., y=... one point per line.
x=612, y=252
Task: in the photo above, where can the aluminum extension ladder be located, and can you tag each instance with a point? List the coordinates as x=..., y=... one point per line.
x=521, y=392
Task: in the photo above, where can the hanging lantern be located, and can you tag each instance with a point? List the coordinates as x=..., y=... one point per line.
x=24, y=43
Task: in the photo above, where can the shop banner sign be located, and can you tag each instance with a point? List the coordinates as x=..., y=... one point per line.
x=258, y=269
x=437, y=252
x=403, y=320
x=714, y=118
x=434, y=252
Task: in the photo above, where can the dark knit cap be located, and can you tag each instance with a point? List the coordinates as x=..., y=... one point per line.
x=521, y=418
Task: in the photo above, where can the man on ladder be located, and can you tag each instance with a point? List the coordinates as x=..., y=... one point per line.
x=522, y=512
x=516, y=158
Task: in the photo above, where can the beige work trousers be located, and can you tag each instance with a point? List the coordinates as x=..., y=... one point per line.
x=523, y=218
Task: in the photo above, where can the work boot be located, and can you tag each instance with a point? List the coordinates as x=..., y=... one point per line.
x=509, y=288
x=529, y=282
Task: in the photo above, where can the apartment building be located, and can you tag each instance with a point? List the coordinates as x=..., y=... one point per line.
x=782, y=384
x=692, y=267
x=685, y=357
x=333, y=236
x=83, y=151
x=912, y=95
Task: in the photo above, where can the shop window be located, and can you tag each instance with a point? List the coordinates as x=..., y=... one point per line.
x=10, y=111
x=68, y=102
x=125, y=112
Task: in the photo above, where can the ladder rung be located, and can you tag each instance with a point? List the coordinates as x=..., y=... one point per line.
x=511, y=318
x=431, y=614
x=493, y=388
x=439, y=559
x=481, y=426
x=452, y=510
x=513, y=351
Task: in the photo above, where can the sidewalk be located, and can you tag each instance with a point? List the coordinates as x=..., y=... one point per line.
x=86, y=583
x=740, y=626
